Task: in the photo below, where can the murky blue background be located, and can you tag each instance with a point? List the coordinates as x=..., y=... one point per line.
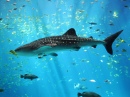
x=23, y=21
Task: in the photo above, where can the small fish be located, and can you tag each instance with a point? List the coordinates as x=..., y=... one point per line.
x=23, y=6
x=107, y=81
x=111, y=24
x=0, y=19
x=92, y=23
x=122, y=41
x=110, y=11
x=82, y=87
x=1, y=90
x=126, y=6
x=123, y=50
x=88, y=94
x=98, y=87
x=29, y=76
x=13, y=52
x=97, y=30
x=7, y=0
x=90, y=27
x=83, y=79
x=14, y=3
x=15, y=9
x=92, y=80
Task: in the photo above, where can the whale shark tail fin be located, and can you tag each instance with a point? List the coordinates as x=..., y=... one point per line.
x=109, y=40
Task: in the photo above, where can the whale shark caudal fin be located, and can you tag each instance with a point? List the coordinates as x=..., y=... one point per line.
x=109, y=40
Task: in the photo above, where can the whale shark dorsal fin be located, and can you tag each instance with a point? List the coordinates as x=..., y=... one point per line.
x=71, y=31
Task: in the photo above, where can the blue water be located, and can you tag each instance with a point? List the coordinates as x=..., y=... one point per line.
x=23, y=21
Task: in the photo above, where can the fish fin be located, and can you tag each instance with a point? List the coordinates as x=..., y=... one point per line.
x=54, y=54
x=94, y=46
x=79, y=94
x=21, y=76
x=40, y=55
x=77, y=48
x=71, y=31
x=109, y=40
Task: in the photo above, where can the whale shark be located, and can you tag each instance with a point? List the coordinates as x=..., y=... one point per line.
x=68, y=41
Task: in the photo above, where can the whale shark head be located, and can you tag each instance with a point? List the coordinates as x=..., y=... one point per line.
x=50, y=44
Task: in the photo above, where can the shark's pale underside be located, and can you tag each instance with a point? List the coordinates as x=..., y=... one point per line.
x=67, y=41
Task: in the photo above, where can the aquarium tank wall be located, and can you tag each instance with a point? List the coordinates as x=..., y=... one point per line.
x=64, y=48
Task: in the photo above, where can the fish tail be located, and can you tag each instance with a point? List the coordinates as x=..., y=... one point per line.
x=109, y=41
x=21, y=76
x=79, y=94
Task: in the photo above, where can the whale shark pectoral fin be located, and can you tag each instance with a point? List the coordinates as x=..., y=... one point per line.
x=94, y=46
x=76, y=48
x=54, y=54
